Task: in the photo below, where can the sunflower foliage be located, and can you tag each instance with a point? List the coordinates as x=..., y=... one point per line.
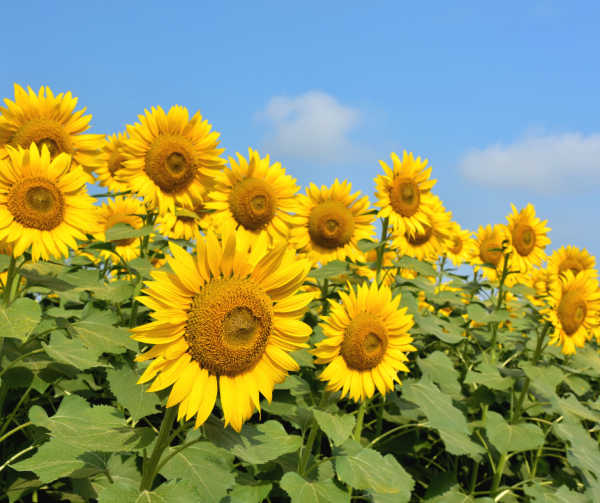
x=202, y=332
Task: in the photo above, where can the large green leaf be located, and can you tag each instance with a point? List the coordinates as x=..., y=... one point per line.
x=460, y=444
x=543, y=494
x=250, y=490
x=488, y=375
x=584, y=452
x=368, y=470
x=512, y=437
x=401, y=478
x=479, y=314
x=424, y=268
x=332, y=269
x=96, y=331
x=439, y=368
x=338, y=427
x=445, y=489
x=20, y=318
x=302, y=491
x=446, y=332
x=173, y=491
x=571, y=407
x=72, y=352
x=125, y=231
x=254, y=445
x=34, y=277
x=123, y=383
x=544, y=379
x=143, y=266
x=123, y=469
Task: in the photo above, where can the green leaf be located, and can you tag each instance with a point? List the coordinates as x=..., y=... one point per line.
x=369, y=470
x=541, y=494
x=432, y=325
x=571, y=407
x=95, y=330
x=365, y=245
x=21, y=486
x=123, y=469
x=338, y=427
x=249, y=490
x=332, y=269
x=115, y=292
x=488, y=375
x=72, y=352
x=587, y=361
x=125, y=231
x=173, y=491
x=34, y=277
x=460, y=444
x=205, y=466
x=82, y=278
x=512, y=437
x=302, y=491
x=479, y=314
x=424, y=268
x=401, y=478
x=439, y=368
x=578, y=385
x=123, y=383
x=544, y=379
x=303, y=358
x=584, y=452
x=142, y=266
x=4, y=262
x=445, y=489
x=254, y=445
x=20, y=318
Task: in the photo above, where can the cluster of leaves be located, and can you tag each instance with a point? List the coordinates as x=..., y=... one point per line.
x=480, y=417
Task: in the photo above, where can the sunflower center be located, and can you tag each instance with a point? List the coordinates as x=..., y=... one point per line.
x=43, y=132
x=171, y=162
x=572, y=311
x=365, y=342
x=331, y=224
x=229, y=325
x=489, y=252
x=253, y=203
x=37, y=203
x=570, y=265
x=457, y=245
x=114, y=162
x=420, y=238
x=198, y=210
x=132, y=220
x=523, y=239
x=405, y=196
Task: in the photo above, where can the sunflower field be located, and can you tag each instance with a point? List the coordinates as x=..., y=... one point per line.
x=199, y=330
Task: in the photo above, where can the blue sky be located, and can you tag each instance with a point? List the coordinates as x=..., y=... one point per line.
x=502, y=97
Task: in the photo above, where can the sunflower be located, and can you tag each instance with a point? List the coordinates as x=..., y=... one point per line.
x=527, y=238
x=460, y=245
x=185, y=222
x=48, y=120
x=255, y=197
x=330, y=222
x=112, y=156
x=366, y=342
x=225, y=321
x=43, y=204
x=571, y=259
x=431, y=242
x=388, y=271
x=403, y=191
x=574, y=305
x=170, y=158
x=488, y=250
x=125, y=210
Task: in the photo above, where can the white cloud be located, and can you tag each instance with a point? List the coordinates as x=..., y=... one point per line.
x=544, y=164
x=312, y=126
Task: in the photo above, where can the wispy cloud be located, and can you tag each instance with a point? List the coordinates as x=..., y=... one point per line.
x=543, y=164
x=312, y=126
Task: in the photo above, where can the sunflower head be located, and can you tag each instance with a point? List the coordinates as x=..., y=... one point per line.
x=460, y=245
x=366, y=342
x=330, y=222
x=169, y=158
x=185, y=222
x=572, y=259
x=574, y=307
x=43, y=204
x=489, y=242
x=527, y=238
x=539, y=280
x=255, y=197
x=403, y=191
x=112, y=158
x=389, y=273
x=225, y=324
x=46, y=120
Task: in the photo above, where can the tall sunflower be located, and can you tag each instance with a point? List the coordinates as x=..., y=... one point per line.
x=170, y=158
x=431, y=243
x=460, y=245
x=43, y=204
x=367, y=341
x=225, y=321
x=527, y=238
x=44, y=119
x=255, y=197
x=330, y=222
x=574, y=306
x=403, y=191
x=388, y=273
x=125, y=210
x=539, y=280
x=488, y=250
x=571, y=259
x=185, y=222
x=112, y=158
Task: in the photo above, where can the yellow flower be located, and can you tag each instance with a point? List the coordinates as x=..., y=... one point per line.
x=367, y=341
x=254, y=197
x=460, y=246
x=571, y=259
x=330, y=222
x=388, y=272
x=488, y=250
x=48, y=120
x=112, y=158
x=225, y=321
x=122, y=210
x=527, y=238
x=574, y=305
x=170, y=158
x=538, y=279
x=183, y=225
x=431, y=242
x=402, y=192
x=43, y=204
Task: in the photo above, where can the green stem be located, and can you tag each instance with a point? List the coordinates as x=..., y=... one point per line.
x=134, y=301
x=379, y=423
x=150, y=470
x=177, y=451
x=15, y=410
x=502, y=280
x=20, y=358
x=314, y=429
x=474, y=473
x=9, y=281
x=498, y=474
x=324, y=294
x=2, y=439
x=360, y=418
x=381, y=249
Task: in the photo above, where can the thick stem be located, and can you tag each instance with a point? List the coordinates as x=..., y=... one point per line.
x=499, y=306
x=498, y=474
x=379, y=423
x=474, y=473
x=161, y=444
x=381, y=249
x=9, y=281
x=324, y=294
x=314, y=429
x=359, y=419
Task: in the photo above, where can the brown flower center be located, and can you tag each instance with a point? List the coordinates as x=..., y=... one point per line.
x=457, y=245
x=43, y=132
x=405, y=196
x=331, y=224
x=133, y=220
x=253, y=203
x=489, y=252
x=114, y=162
x=524, y=238
x=229, y=325
x=365, y=342
x=37, y=203
x=572, y=311
x=171, y=162
x=198, y=210
x=420, y=238
x=570, y=265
